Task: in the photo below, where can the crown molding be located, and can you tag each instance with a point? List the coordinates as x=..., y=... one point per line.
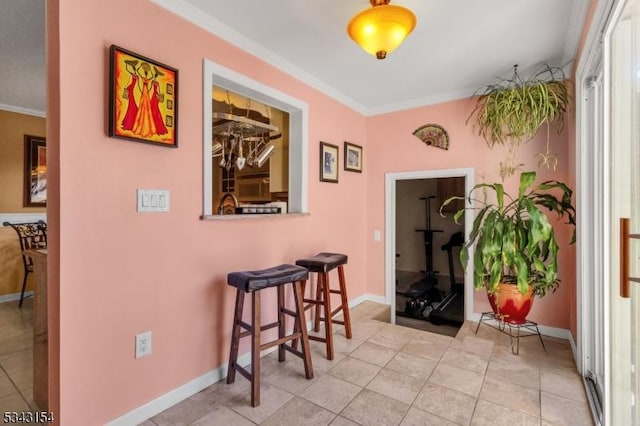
x=20, y=110
x=218, y=28
x=421, y=102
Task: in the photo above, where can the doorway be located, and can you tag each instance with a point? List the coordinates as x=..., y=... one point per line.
x=419, y=244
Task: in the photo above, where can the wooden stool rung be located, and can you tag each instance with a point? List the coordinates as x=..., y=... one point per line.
x=317, y=338
x=244, y=372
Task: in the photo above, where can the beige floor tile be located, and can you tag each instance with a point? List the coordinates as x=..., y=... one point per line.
x=395, y=385
x=427, y=336
x=298, y=411
x=354, y=371
x=371, y=408
x=341, y=421
x=18, y=362
x=563, y=385
x=446, y=403
x=221, y=392
x=23, y=379
x=13, y=402
x=389, y=338
x=373, y=354
x=271, y=400
x=415, y=417
x=184, y=413
x=425, y=349
x=523, y=358
x=473, y=344
x=564, y=411
x=221, y=416
x=466, y=360
x=6, y=386
x=514, y=372
x=490, y=414
x=511, y=395
x=331, y=393
x=457, y=379
x=288, y=375
x=412, y=365
x=362, y=330
x=343, y=345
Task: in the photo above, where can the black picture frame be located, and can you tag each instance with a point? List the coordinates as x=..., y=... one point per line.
x=329, y=160
x=143, y=99
x=35, y=171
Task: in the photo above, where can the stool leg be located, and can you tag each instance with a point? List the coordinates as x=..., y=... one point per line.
x=255, y=350
x=328, y=329
x=235, y=337
x=319, y=285
x=345, y=303
x=281, y=322
x=294, y=342
x=306, y=350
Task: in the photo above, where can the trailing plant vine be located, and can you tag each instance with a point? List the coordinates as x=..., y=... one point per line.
x=512, y=111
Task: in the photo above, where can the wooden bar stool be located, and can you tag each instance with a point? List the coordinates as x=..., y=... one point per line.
x=252, y=282
x=322, y=264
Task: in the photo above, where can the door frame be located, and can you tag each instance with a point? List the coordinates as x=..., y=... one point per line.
x=390, y=231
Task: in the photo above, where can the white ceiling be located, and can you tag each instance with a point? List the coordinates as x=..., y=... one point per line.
x=22, y=57
x=457, y=46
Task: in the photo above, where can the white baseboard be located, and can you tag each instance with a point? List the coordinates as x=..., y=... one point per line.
x=179, y=394
x=367, y=298
x=14, y=296
x=560, y=333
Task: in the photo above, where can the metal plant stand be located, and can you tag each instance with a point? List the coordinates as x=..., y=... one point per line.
x=514, y=330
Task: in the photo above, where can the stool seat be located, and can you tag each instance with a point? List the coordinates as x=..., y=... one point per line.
x=256, y=280
x=323, y=262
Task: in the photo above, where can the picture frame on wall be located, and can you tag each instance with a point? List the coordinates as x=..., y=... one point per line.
x=352, y=157
x=329, y=156
x=35, y=171
x=143, y=99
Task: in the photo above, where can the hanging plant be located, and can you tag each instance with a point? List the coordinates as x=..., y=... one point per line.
x=513, y=110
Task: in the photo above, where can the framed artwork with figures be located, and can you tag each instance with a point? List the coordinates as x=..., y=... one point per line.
x=328, y=162
x=352, y=157
x=143, y=99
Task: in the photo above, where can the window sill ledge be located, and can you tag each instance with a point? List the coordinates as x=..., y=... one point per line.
x=226, y=217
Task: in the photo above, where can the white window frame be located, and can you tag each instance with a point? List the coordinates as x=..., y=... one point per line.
x=217, y=75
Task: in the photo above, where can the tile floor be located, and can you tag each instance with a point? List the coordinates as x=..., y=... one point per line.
x=16, y=356
x=393, y=375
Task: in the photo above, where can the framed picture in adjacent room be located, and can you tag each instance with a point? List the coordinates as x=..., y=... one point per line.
x=143, y=99
x=329, y=162
x=35, y=171
x=352, y=157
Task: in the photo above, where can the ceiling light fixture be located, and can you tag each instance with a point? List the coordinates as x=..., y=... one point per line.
x=381, y=29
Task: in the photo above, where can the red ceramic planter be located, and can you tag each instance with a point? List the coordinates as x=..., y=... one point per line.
x=509, y=304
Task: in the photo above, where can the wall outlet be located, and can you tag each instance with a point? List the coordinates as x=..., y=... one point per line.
x=143, y=344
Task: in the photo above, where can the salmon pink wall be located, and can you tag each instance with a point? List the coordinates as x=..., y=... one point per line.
x=122, y=273
x=393, y=148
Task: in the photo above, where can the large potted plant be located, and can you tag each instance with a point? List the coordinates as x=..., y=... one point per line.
x=514, y=109
x=514, y=243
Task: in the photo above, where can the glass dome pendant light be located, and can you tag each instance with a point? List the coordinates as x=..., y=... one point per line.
x=381, y=29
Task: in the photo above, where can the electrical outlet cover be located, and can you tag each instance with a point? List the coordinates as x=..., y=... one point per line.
x=143, y=344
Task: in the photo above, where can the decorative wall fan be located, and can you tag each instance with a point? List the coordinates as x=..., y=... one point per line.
x=434, y=135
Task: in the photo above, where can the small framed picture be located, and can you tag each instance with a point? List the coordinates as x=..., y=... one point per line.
x=352, y=157
x=35, y=171
x=143, y=99
x=329, y=162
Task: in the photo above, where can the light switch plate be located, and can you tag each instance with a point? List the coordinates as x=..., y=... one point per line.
x=153, y=200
